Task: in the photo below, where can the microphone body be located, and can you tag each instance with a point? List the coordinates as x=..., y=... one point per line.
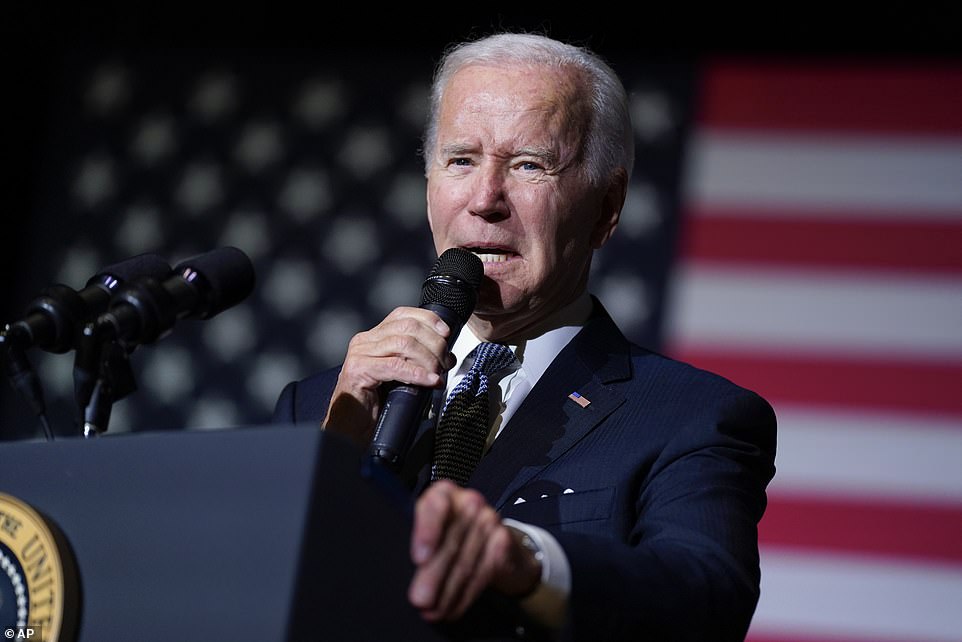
x=54, y=319
x=451, y=292
x=147, y=309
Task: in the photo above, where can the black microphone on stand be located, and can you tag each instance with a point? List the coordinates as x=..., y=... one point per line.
x=146, y=310
x=143, y=312
x=451, y=292
x=53, y=322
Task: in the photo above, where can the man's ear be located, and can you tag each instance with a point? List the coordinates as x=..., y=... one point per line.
x=612, y=200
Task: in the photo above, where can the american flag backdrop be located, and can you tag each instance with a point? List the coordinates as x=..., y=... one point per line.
x=794, y=226
x=821, y=265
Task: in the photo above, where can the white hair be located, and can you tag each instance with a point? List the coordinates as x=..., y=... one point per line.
x=609, y=141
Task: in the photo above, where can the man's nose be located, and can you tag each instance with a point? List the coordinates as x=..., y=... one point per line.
x=488, y=197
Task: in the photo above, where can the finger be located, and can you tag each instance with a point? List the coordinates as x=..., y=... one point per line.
x=423, y=324
x=473, y=562
x=403, y=349
x=437, y=539
x=451, y=579
x=431, y=513
x=427, y=317
x=389, y=337
x=494, y=561
x=460, y=551
x=367, y=372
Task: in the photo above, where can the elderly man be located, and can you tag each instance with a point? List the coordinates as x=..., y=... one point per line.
x=619, y=491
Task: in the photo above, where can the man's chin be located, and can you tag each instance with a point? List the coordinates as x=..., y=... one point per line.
x=492, y=311
x=484, y=311
x=490, y=300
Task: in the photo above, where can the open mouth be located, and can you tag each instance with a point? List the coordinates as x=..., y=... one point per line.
x=491, y=254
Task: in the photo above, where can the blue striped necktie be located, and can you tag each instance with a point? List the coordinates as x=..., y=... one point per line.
x=465, y=422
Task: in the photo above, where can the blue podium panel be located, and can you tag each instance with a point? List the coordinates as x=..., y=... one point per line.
x=244, y=534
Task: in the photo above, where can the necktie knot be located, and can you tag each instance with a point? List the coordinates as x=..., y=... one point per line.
x=491, y=357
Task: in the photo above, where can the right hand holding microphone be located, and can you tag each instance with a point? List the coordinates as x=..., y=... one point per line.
x=388, y=373
x=409, y=346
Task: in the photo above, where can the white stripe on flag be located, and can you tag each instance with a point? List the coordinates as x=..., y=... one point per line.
x=871, y=174
x=842, y=596
x=878, y=456
x=874, y=313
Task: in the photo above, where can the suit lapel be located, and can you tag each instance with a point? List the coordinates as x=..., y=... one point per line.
x=548, y=422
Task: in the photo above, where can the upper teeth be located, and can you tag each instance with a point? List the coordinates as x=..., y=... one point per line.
x=490, y=258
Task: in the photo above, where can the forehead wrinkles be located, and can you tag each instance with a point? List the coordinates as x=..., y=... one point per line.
x=520, y=110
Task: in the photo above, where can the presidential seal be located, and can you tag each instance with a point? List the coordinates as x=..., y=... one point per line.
x=38, y=587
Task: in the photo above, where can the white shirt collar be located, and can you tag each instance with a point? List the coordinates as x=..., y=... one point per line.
x=534, y=354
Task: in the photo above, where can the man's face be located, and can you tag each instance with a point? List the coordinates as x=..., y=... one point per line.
x=506, y=181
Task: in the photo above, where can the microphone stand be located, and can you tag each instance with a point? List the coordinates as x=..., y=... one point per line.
x=102, y=375
x=22, y=376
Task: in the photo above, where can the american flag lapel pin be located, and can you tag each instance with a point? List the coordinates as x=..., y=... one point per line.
x=578, y=399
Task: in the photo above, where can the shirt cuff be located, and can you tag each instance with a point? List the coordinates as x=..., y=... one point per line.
x=549, y=601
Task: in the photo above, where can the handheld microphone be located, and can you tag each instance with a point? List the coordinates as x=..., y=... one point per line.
x=200, y=287
x=451, y=292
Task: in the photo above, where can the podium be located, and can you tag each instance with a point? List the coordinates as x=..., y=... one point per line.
x=260, y=534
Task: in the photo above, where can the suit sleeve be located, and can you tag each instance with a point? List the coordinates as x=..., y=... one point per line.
x=690, y=569
x=306, y=400
x=284, y=408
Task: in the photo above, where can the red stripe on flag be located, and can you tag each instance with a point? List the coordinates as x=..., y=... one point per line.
x=907, y=98
x=931, y=532
x=906, y=243
x=859, y=382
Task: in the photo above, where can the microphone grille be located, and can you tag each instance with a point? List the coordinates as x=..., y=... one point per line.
x=454, y=282
x=459, y=264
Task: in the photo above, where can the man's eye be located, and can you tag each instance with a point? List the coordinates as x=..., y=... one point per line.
x=529, y=166
x=461, y=162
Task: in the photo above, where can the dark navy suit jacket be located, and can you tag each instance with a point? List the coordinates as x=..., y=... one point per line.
x=654, y=490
